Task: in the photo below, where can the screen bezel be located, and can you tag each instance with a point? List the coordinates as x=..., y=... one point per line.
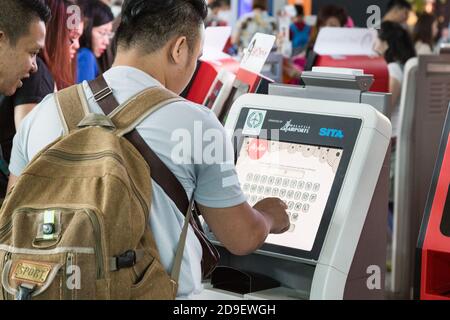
x=274, y=120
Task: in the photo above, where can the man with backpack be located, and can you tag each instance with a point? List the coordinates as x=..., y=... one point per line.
x=159, y=43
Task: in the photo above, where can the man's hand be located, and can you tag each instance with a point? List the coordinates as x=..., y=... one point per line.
x=275, y=211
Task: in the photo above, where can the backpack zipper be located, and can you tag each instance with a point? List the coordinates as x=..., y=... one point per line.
x=69, y=264
x=96, y=156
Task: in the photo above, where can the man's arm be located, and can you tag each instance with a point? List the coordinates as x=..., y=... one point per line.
x=243, y=229
x=21, y=111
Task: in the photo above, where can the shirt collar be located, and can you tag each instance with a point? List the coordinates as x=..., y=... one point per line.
x=131, y=74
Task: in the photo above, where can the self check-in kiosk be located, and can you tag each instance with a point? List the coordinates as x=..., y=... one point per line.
x=224, y=86
x=423, y=107
x=205, y=75
x=432, y=276
x=244, y=82
x=325, y=159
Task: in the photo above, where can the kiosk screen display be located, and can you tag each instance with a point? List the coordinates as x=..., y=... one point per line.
x=300, y=175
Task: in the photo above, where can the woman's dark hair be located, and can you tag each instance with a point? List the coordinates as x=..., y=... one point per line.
x=329, y=11
x=325, y=13
x=423, y=30
x=401, y=47
x=96, y=14
x=260, y=4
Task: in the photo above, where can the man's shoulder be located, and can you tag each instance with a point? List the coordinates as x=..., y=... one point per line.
x=195, y=111
x=41, y=112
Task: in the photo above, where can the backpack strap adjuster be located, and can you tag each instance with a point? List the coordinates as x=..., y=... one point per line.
x=102, y=94
x=127, y=259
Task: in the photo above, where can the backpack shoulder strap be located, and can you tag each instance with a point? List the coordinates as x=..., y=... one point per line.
x=130, y=114
x=126, y=124
x=72, y=107
x=144, y=104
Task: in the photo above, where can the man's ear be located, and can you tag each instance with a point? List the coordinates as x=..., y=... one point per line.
x=177, y=50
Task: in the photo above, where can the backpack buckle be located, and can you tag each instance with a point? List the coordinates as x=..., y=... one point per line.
x=97, y=120
x=25, y=291
x=125, y=260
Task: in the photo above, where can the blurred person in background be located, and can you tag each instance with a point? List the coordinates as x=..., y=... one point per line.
x=95, y=40
x=425, y=34
x=328, y=16
x=218, y=13
x=396, y=46
x=256, y=21
x=398, y=11
x=299, y=31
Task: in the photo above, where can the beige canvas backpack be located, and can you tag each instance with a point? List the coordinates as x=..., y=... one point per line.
x=76, y=224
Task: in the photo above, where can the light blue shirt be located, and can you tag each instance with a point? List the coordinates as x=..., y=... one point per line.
x=161, y=131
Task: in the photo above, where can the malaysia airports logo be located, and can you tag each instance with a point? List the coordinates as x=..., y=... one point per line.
x=254, y=122
x=289, y=127
x=255, y=119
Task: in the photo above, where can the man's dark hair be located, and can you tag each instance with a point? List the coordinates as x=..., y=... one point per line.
x=149, y=25
x=299, y=10
x=260, y=4
x=17, y=15
x=218, y=4
x=401, y=4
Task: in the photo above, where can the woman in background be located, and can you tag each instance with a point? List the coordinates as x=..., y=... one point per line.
x=299, y=31
x=328, y=16
x=58, y=45
x=256, y=21
x=396, y=46
x=95, y=40
x=425, y=34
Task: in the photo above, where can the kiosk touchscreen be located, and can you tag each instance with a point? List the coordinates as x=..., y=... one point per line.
x=432, y=276
x=299, y=174
x=323, y=158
